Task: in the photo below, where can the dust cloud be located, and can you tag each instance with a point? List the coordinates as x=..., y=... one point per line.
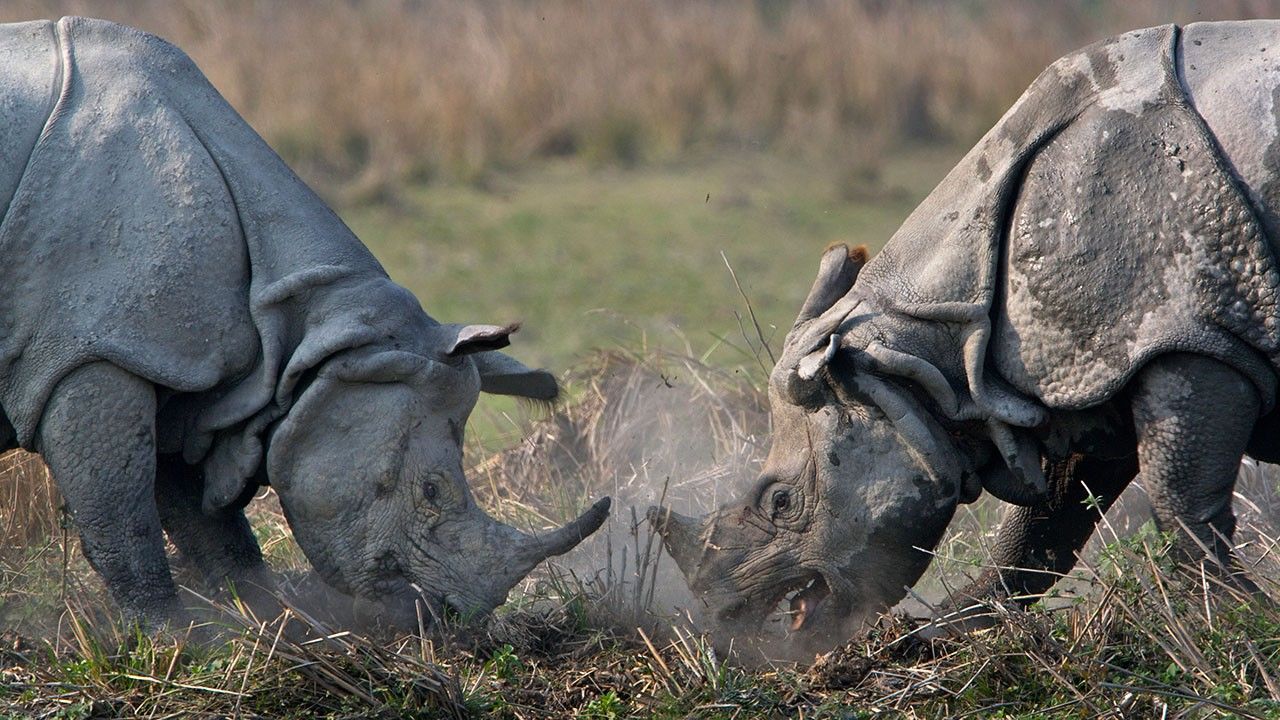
x=657, y=430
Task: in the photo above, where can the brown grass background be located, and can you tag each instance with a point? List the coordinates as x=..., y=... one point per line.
x=364, y=94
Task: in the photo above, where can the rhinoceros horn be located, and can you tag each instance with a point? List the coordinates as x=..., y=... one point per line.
x=521, y=552
x=680, y=535
x=534, y=549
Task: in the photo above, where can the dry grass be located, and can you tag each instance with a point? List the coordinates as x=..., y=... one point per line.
x=608, y=631
x=367, y=94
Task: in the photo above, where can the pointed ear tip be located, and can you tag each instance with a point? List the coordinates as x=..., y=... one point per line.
x=857, y=254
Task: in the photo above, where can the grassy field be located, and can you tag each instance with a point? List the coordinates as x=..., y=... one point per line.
x=629, y=262
x=612, y=259
x=628, y=258
x=601, y=633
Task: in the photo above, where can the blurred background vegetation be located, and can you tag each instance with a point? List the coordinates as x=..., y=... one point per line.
x=581, y=165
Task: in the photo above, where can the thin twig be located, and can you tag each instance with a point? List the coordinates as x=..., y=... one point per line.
x=750, y=310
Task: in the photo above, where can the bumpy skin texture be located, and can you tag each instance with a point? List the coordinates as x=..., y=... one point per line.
x=1090, y=295
x=182, y=320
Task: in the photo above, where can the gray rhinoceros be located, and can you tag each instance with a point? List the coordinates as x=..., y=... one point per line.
x=1091, y=292
x=182, y=321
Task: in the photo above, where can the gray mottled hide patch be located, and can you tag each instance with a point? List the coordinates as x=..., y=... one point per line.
x=1099, y=224
x=1128, y=240
x=1231, y=72
x=151, y=227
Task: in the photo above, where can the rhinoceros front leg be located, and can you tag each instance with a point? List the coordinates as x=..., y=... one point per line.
x=1193, y=417
x=97, y=436
x=222, y=547
x=1036, y=545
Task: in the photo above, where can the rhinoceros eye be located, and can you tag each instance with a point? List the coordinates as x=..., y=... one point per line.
x=781, y=501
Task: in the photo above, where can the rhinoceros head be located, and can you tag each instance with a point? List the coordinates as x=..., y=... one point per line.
x=368, y=468
x=859, y=481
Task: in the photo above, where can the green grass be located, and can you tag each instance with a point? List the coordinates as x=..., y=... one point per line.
x=593, y=259
x=607, y=258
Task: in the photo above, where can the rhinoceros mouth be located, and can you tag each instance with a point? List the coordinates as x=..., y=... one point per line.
x=793, y=605
x=803, y=603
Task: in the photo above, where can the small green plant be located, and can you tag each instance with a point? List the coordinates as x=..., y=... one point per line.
x=605, y=707
x=504, y=664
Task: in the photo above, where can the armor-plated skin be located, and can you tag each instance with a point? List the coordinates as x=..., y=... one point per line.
x=1091, y=292
x=182, y=320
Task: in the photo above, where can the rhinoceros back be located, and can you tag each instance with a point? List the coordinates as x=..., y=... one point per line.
x=1097, y=225
x=1133, y=235
x=153, y=229
x=121, y=241
x=1231, y=71
x=29, y=86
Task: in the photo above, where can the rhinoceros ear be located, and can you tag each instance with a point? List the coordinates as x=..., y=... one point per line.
x=836, y=274
x=502, y=374
x=467, y=339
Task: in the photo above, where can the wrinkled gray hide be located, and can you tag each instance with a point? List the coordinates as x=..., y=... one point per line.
x=1090, y=292
x=183, y=320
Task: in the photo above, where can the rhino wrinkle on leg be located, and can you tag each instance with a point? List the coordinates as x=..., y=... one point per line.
x=1036, y=545
x=1193, y=417
x=97, y=436
x=221, y=547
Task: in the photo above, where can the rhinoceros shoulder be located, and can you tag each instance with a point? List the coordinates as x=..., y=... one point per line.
x=1231, y=72
x=29, y=88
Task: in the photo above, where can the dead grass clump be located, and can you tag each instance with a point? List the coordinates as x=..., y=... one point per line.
x=637, y=426
x=30, y=507
x=94, y=667
x=1147, y=640
x=644, y=430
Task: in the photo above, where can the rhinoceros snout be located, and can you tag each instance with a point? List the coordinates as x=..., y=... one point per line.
x=680, y=536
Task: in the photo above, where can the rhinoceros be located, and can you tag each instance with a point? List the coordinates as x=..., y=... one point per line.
x=1089, y=295
x=182, y=320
